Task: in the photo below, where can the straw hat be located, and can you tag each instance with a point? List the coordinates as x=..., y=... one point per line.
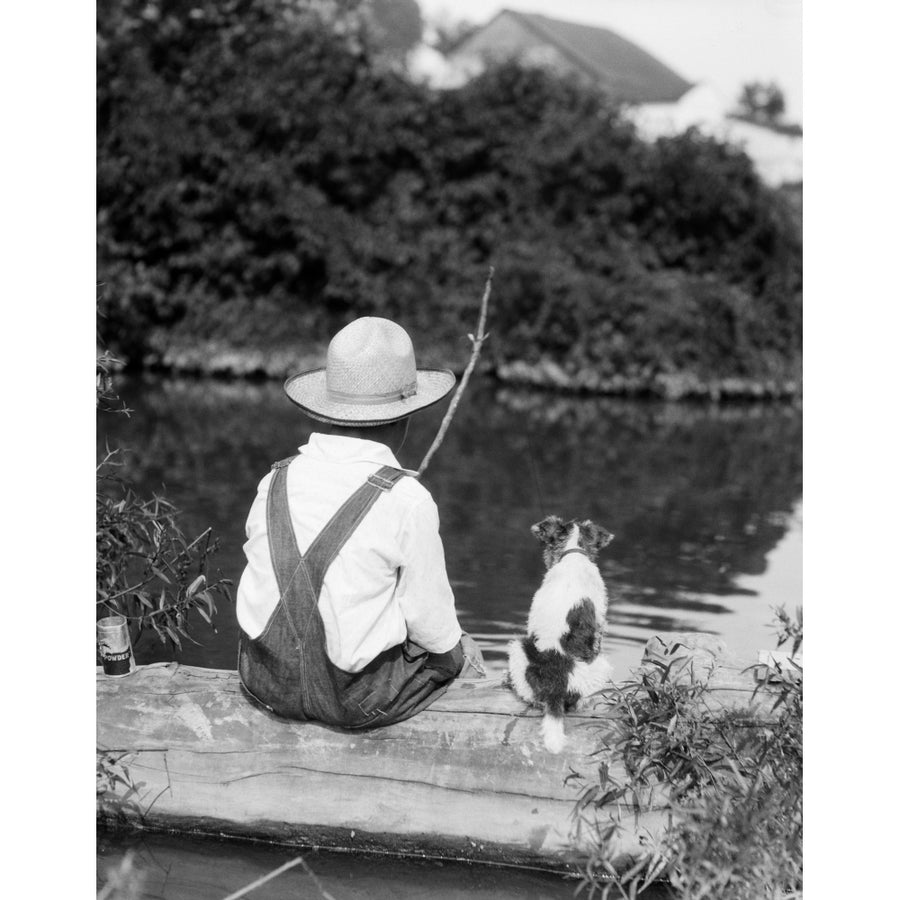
x=370, y=377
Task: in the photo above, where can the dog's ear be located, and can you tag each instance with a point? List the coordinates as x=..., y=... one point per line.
x=548, y=529
x=595, y=536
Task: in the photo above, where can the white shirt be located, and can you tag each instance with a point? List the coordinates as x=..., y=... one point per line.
x=389, y=580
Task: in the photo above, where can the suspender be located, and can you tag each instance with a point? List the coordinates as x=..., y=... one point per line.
x=310, y=569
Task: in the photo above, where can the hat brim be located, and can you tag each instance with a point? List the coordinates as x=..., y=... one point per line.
x=308, y=391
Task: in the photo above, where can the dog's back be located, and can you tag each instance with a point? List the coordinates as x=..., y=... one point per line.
x=570, y=602
x=558, y=662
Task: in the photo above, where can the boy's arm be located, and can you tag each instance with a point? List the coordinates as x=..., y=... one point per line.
x=423, y=589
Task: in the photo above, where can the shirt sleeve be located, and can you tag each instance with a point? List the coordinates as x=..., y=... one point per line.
x=423, y=589
x=257, y=593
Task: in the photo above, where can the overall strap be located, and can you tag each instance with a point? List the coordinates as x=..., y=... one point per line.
x=328, y=543
x=305, y=574
x=283, y=550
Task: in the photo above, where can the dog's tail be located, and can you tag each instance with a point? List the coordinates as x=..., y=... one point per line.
x=553, y=729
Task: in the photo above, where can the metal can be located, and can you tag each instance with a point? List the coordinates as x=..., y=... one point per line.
x=114, y=642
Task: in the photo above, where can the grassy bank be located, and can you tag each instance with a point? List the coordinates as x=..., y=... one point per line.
x=263, y=179
x=221, y=359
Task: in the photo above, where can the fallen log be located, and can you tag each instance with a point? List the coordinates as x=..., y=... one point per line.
x=468, y=778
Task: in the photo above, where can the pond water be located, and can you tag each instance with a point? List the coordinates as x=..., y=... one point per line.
x=705, y=501
x=179, y=868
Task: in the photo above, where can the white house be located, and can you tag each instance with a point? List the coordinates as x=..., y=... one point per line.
x=597, y=55
x=777, y=155
x=659, y=100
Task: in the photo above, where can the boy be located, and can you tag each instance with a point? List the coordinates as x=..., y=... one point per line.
x=345, y=608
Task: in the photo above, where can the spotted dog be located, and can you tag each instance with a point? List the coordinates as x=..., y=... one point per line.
x=559, y=662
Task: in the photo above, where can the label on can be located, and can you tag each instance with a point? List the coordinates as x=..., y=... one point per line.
x=115, y=646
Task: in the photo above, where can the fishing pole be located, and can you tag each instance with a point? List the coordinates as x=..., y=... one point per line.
x=477, y=339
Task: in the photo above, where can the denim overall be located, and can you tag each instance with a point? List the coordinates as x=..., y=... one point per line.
x=287, y=668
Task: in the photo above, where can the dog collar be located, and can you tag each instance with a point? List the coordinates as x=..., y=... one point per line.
x=573, y=550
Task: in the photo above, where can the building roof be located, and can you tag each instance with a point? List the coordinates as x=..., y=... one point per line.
x=622, y=68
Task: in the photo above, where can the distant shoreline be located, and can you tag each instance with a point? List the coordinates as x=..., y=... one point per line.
x=217, y=360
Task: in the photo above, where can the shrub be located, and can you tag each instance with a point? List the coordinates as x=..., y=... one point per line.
x=734, y=781
x=146, y=569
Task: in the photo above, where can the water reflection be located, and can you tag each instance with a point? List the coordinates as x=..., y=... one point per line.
x=698, y=497
x=185, y=868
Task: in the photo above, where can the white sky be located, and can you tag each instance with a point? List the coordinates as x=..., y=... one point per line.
x=723, y=42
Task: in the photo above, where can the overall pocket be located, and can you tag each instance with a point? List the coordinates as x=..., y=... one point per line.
x=376, y=688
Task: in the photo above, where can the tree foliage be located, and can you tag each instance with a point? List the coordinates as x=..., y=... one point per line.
x=261, y=181
x=449, y=33
x=398, y=23
x=762, y=101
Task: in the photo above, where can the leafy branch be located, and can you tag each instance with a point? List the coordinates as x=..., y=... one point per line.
x=116, y=789
x=147, y=571
x=731, y=780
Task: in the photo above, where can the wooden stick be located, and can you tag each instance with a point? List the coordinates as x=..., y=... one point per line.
x=299, y=861
x=477, y=340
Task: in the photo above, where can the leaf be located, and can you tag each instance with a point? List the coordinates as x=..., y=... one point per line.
x=608, y=797
x=604, y=774
x=173, y=635
x=637, y=867
x=161, y=575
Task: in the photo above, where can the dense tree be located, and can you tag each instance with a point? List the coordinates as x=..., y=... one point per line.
x=261, y=181
x=450, y=33
x=398, y=25
x=763, y=102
